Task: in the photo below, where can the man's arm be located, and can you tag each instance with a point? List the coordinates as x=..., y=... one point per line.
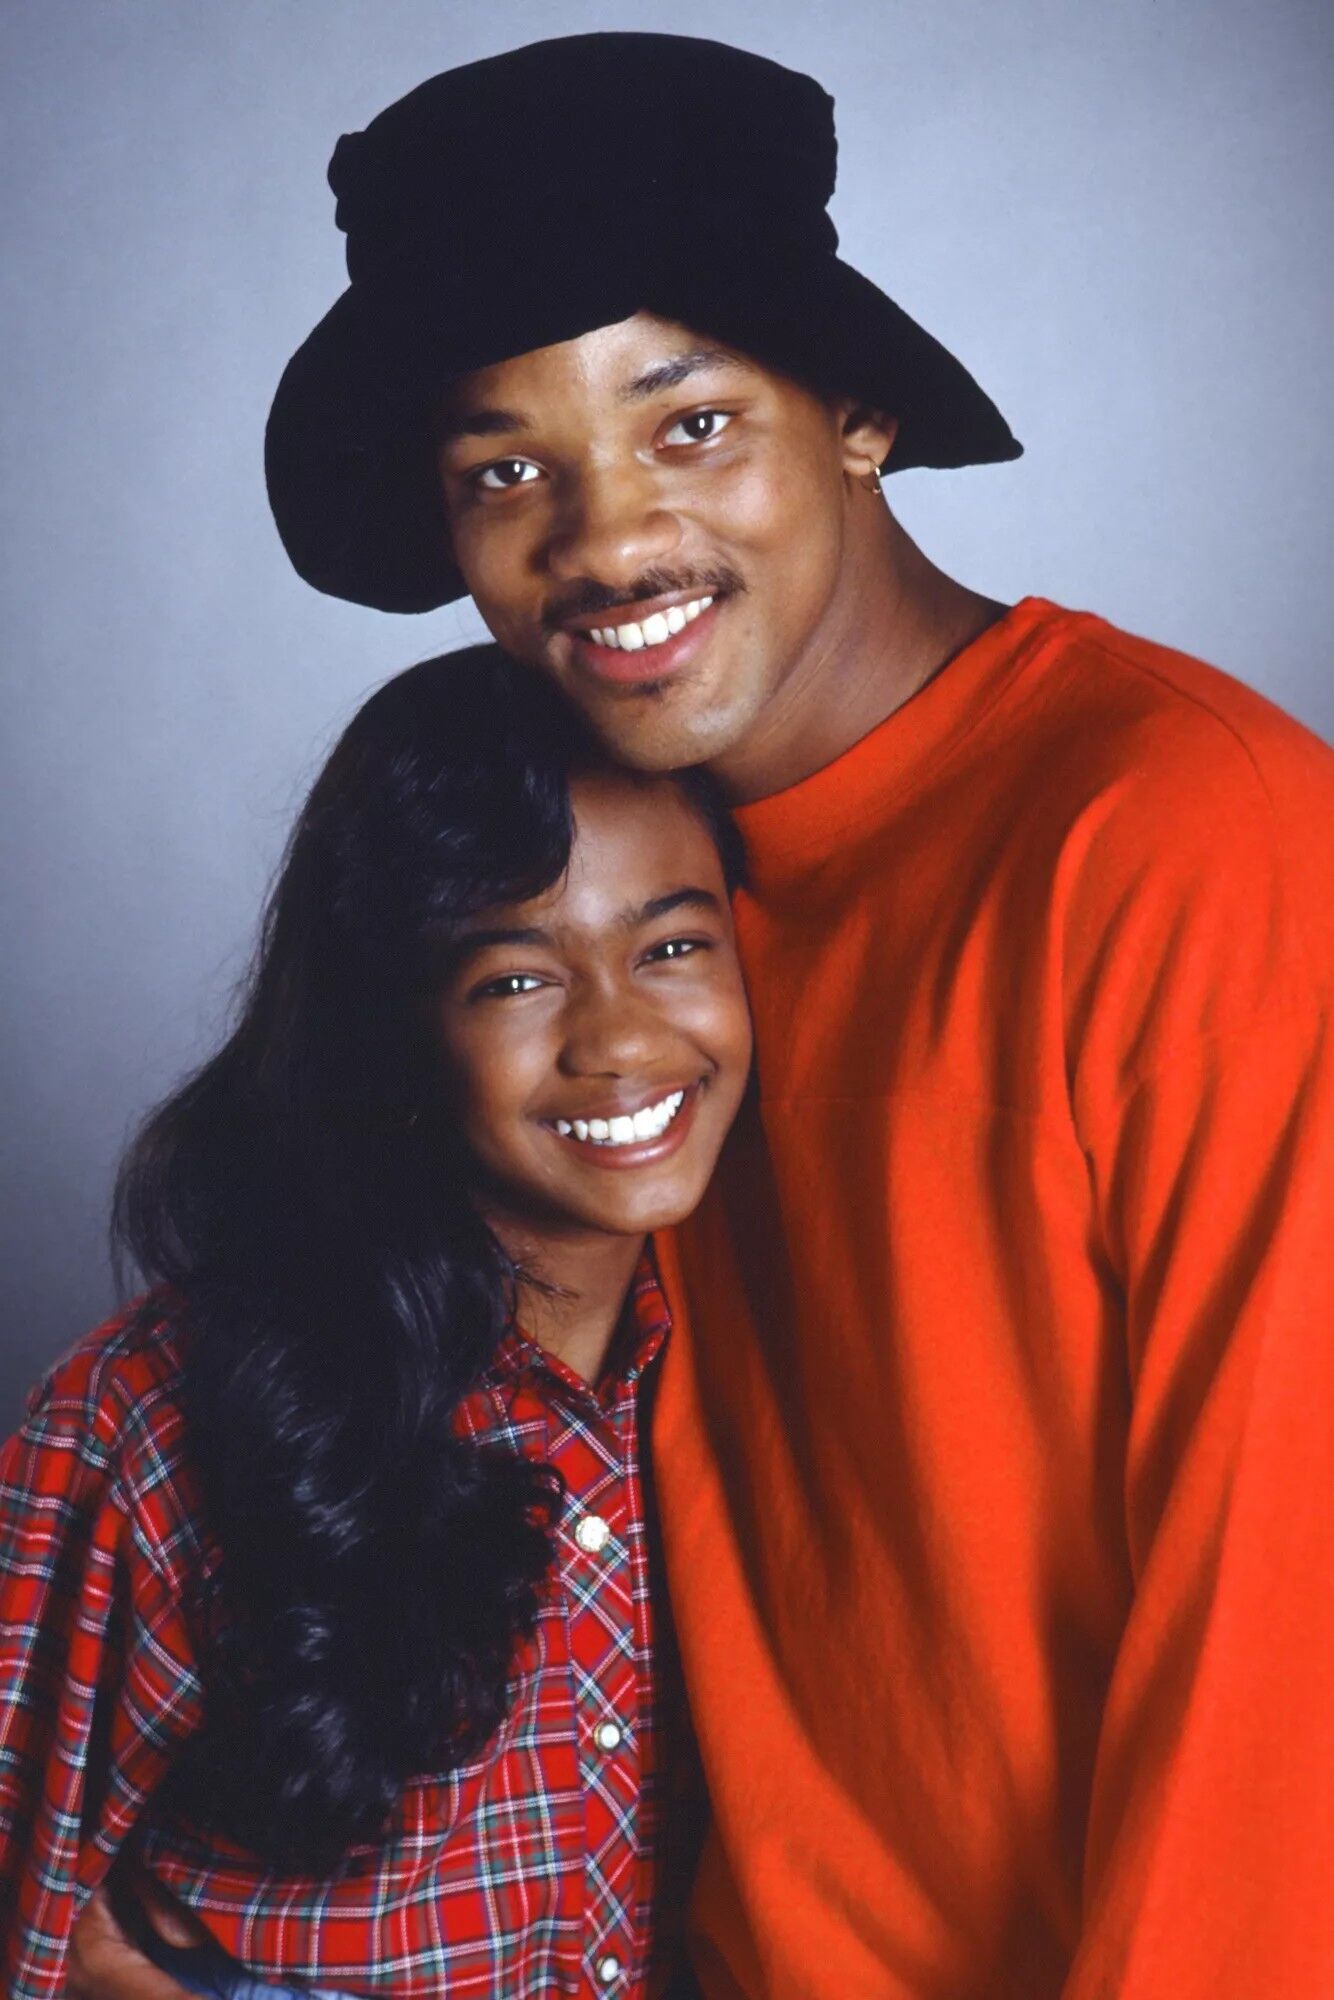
x=104, y=1965
x=1204, y=1091
x=1210, y=1851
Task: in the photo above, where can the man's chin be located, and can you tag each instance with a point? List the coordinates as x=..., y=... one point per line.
x=648, y=748
x=662, y=731
x=647, y=724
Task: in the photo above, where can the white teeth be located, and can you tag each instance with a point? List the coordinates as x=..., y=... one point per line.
x=658, y=626
x=625, y=1129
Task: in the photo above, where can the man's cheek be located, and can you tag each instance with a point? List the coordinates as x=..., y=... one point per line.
x=510, y=620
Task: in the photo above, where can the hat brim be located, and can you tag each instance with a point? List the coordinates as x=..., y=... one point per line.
x=349, y=450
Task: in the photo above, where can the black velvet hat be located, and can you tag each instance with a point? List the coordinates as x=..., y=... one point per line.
x=531, y=197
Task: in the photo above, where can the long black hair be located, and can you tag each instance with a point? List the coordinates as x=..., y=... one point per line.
x=306, y=1201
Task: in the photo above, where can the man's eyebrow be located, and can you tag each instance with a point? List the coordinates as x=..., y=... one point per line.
x=479, y=424
x=487, y=423
x=667, y=374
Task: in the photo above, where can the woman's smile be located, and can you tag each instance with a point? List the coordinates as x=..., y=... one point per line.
x=635, y=1137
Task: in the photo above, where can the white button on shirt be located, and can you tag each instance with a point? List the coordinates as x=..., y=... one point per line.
x=607, y=1735
x=592, y=1533
x=608, y=1969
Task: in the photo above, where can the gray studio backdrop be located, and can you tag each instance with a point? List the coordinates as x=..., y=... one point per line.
x=1119, y=215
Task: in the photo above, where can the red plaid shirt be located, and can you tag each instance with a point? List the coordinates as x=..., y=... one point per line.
x=529, y=1871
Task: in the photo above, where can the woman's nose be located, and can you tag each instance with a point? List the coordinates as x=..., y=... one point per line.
x=610, y=527
x=610, y=1030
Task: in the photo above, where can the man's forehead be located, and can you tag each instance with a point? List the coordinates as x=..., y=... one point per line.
x=630, y=361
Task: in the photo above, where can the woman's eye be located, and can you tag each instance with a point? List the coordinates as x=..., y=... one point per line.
x=508, y=985
x=506, y=472
x=676, y=948
x=698, y=427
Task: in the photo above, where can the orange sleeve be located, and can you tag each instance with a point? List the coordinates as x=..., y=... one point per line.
x=1206, y=1098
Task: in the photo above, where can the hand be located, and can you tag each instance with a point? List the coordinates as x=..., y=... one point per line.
x=105, y=1965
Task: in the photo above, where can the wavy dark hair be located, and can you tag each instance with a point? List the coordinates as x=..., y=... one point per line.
x=307, y=1201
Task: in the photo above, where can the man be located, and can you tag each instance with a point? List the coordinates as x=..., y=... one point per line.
x=994, y=1461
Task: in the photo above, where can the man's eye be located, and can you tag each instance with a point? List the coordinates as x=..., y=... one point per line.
x=508, y=984
x=698, y=427
x=506, y=472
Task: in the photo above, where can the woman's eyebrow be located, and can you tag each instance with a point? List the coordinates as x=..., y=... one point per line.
x=629, y=919
x=469, y=942
x=662, y=906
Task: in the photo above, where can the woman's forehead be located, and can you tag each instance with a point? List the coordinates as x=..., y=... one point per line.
x=639, y=845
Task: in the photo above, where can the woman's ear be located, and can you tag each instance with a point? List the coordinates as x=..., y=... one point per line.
x=867, y=436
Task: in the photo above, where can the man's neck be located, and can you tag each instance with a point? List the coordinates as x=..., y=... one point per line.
x=895, y=622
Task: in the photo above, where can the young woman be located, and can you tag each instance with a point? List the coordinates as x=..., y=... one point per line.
x=325, y=1592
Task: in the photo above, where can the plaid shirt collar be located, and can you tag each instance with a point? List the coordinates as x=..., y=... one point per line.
x=640, y=1333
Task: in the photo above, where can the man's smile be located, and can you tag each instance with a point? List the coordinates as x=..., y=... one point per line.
x=655, y=629
x=638, y=642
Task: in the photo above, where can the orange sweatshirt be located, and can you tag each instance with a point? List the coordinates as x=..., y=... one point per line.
x=997, y=1459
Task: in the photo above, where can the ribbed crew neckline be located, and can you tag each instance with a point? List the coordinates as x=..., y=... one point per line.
x=790, y=831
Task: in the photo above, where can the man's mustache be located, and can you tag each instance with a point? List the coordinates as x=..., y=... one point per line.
x=582, y=599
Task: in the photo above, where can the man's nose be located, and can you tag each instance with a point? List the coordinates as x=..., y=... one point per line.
x=610, y=526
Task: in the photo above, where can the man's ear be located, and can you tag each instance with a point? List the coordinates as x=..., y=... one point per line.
x=867, y=436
